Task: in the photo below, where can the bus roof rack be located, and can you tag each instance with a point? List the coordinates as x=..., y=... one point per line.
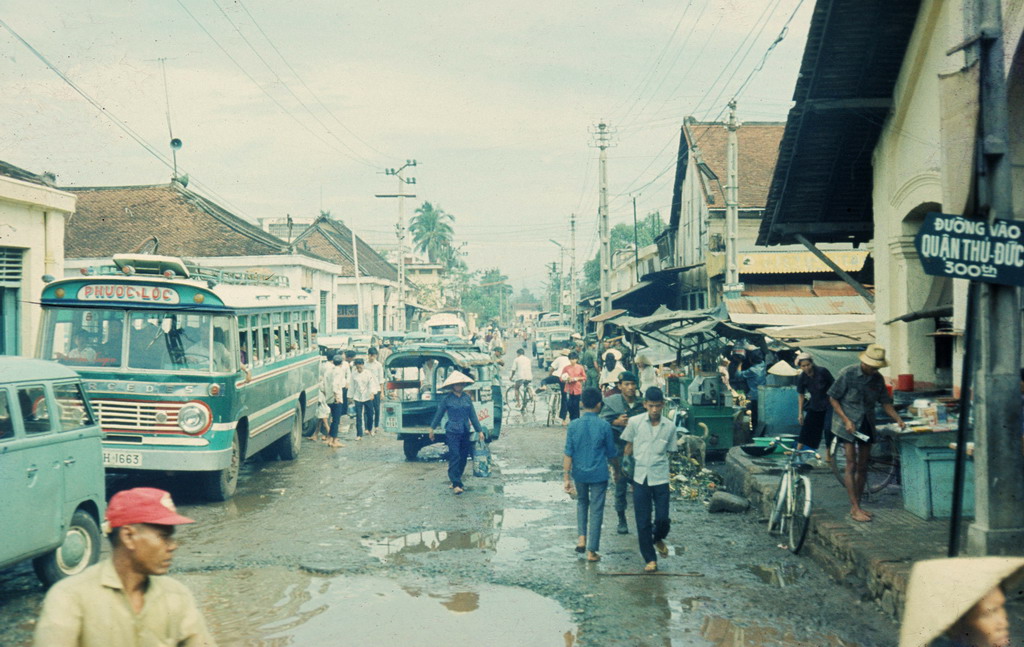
x=154, y=265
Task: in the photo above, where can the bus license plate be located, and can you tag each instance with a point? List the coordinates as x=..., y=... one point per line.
x=391, y=422
x=119, y=458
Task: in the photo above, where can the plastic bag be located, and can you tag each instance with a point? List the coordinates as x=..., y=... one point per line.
x=481, y=458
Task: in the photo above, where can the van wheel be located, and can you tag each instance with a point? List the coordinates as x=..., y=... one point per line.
x=80, y=550
x=287, y=447
x=221, y=484
x=412, y=445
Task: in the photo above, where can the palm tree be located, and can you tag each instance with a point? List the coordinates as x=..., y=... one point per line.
x=431, y=231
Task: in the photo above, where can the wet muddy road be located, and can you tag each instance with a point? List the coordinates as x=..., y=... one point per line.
x=355, y=546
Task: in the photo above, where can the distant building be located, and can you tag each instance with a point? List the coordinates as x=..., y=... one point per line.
x=286, y=228
x=428, y=279
x=33, y=214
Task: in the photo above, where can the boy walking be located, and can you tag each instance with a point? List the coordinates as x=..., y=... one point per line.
x=649, y=439
x=362, y=386
x=589, y=448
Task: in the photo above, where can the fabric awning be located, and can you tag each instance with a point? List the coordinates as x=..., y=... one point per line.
x=611, y=314
x=823, y=335
x=642, y=285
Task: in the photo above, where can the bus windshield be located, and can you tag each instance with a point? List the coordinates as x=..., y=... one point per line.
x=161, y=340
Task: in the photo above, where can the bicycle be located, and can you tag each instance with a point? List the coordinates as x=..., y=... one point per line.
x=523, y=400
x=554, y=406
x=791, y=512
x=883, y=465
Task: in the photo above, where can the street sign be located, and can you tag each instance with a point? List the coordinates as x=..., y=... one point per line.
x=965, y=248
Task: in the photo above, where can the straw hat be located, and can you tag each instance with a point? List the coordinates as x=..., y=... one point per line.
x=615, y=352
x=456, y=378
x=802, y=355
x=941, y=591
x=784, y=369
x=874, y=355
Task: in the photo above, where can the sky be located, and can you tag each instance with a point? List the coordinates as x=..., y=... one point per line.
x=293, y=107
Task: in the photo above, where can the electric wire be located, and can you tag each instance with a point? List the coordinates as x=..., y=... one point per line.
x=265, y=91
x=304, y=84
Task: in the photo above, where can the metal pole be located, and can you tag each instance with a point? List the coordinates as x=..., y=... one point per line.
x=572, y=269
x=401, y=251
x=852, y=282
x=961, y=427
x=359, y=290
x=732, y=207
x=636, y=244
x=603, y=137
x=998, y=527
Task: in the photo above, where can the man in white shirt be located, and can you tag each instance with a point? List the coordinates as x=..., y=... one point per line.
x=374, y=365
x=361, y=387
x=522, y=373
x=337, y=377
x=649, y=440
x=555, y=379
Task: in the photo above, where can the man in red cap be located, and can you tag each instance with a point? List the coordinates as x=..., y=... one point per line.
x=127, y=600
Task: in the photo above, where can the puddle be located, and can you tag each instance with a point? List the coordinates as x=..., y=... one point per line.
x=723, y=632
x=694, y=603
x=519, y=517
x=525, y=471
x=537, y=491
x=428, y=541
x=284, y=607
x=779, y=576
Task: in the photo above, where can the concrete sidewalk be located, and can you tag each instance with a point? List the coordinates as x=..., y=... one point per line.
x=874, y=556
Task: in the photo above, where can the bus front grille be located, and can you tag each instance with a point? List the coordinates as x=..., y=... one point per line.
x=147, y=417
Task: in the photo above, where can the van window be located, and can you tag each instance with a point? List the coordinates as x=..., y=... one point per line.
x=71, y=404
x=34, y=414
x=6, y=421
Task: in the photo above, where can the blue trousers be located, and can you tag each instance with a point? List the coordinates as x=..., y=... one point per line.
x=337, y=411
x=644, y=498
x=459, y=448
x=364, y=413
x=590, y=512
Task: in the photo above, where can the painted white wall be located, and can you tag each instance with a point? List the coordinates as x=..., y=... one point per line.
x=32, y=218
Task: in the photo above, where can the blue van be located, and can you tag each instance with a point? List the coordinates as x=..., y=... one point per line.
x=51, y=470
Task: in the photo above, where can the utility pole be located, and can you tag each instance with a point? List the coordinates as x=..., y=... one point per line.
x=359, y=290
x=602, y=140
x=998, y=527
x=732, y=287
x=572, y=270
x=400, y=232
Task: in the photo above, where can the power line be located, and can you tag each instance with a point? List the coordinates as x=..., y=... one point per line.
x=304, y=84
x=264, y=90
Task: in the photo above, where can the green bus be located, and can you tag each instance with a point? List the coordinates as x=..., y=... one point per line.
x=189, y=369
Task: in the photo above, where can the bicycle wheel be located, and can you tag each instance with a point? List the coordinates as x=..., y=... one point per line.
x=775, y=521
x=529, y=401
x=552, y=408
x=800, y=519
x=510, y=397
x=882, y=466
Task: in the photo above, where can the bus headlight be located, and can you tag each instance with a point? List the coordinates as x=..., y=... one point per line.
x=194, y=418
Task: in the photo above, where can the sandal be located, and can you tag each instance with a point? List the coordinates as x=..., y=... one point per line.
x=457, y=490
x=593, y=557
x=651, y=567
x=862, y=517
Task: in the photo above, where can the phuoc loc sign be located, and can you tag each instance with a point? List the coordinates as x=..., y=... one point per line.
x=964, y=248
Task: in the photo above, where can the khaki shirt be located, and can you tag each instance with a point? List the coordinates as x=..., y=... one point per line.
x=651, y=447
x=92, y=610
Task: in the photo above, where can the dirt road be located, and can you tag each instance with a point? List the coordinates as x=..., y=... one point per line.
x=355, y=546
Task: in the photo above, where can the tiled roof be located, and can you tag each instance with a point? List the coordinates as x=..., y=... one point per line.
x=332, y=240
x=18, y=173
x=114, y=220
x=757, y=150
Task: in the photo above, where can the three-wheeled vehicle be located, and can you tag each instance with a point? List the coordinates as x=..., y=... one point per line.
x=415, y=376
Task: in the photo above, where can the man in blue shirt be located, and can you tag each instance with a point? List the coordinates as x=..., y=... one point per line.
x=589, y=448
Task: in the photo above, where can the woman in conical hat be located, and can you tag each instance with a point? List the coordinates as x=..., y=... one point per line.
x=959, y=602
x=461, y=416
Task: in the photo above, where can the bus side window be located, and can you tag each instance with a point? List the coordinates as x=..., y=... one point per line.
x=266, y=354
x=279, y=349
x=243, y=346
x=223, y=349
x=305, y=335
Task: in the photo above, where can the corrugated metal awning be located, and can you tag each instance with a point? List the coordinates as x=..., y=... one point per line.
x=611, y=314
x=793, y=311
x=799, y=262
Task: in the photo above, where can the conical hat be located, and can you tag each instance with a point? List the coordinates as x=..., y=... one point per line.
x=941, y=591
x=784, y=369
x=456, y=378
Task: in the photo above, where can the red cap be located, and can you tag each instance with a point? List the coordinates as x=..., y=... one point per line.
x=143, y=505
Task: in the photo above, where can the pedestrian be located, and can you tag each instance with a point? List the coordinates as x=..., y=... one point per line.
x=812, y=385
x=374, y=366
x=611, y=370
x=647, y=374
x=649, y=440
x=323, y=410
x=362, y=387
x=461, y=416
x=350, y=357
x=960, y=602
x=522, y=373
x=754, y=374
x=337, y=383
x=589, y=361
x=498, y=360
x=573, y=376
x=555, y=380
x=617, y=410
x=857, y=390
x=127, y=600
x=589, y=449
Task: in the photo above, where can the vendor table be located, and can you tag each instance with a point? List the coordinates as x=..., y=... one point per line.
x=927, y=466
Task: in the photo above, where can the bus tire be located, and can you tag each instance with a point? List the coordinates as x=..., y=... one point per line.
x=220, y=485
x=287, y=447
x=411, y=446
x=81, y=549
